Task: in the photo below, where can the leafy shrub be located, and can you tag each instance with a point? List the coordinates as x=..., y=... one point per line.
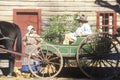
x=59, y=25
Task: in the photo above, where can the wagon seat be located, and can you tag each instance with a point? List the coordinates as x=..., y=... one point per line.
x=79, y=39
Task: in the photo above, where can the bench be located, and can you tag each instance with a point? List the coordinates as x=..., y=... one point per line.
x=77, y=42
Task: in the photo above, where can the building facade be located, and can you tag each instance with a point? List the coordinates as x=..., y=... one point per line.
x=50, y=8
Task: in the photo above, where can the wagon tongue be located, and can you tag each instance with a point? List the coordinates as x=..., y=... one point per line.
x=13, y=52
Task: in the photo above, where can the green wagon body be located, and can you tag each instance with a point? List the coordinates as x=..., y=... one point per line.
x=68, y=50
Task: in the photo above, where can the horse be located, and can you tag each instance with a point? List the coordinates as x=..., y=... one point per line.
x=10, y=39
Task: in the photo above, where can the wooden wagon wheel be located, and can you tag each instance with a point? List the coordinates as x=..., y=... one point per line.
x=98, y=57
x=47, y=61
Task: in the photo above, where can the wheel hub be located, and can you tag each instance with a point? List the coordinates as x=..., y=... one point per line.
x=44, y=62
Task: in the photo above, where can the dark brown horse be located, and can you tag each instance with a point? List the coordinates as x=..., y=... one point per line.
x=10, y=39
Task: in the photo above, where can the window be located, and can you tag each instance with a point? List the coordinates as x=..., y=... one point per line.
x=106, y=22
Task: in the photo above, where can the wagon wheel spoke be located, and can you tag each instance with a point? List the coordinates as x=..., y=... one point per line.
x=87, y=51
x=48, y=70
x=92, y=70
x=97, y=57
x=43, y=74
x=49, y=61
x=41, y=54
x=89, y=63
x=48, y=55
x=112, y=47
x=54, y=58
x=94, y=64
x=101, y=63
x=40, y=57
x=54, y=63
x=104, y=63
x=110, y=63
x=91, y=47
x=45, y=56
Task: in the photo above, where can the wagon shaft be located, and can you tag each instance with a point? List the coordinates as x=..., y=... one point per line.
x=13, y=52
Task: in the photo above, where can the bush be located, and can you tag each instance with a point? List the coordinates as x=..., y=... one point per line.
x=59, y=25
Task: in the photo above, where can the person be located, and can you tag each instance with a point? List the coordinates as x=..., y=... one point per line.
x=30, y=41
x=83, y=29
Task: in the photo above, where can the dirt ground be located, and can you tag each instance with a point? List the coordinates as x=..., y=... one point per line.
x=65, y=74
x=22, y=78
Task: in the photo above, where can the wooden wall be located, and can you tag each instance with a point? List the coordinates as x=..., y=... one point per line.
x=55, y=7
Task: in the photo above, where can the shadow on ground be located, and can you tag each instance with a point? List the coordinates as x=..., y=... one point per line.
x=71, y=72
x=74, y=72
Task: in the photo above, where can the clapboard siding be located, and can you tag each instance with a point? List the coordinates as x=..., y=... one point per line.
x=53, y=7
x=48, y=4
x=6, y=18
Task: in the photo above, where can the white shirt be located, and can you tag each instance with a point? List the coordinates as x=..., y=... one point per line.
x=85, y=29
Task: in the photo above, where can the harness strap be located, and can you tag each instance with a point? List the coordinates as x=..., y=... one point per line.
x=5, y=38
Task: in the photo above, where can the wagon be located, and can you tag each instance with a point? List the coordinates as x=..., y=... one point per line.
x=97, y=57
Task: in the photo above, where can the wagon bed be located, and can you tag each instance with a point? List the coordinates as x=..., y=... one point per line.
x=68, y=50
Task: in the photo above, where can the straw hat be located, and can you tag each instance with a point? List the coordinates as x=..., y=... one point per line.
x=82, y=18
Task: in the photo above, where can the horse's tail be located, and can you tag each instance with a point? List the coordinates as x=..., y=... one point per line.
x=19, y=40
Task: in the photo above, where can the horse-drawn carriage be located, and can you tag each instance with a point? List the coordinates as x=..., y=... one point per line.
x=97, y=57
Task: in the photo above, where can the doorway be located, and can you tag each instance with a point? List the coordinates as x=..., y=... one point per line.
x=25, y=17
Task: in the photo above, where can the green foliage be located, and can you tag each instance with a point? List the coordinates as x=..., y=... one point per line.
x=59, y=25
